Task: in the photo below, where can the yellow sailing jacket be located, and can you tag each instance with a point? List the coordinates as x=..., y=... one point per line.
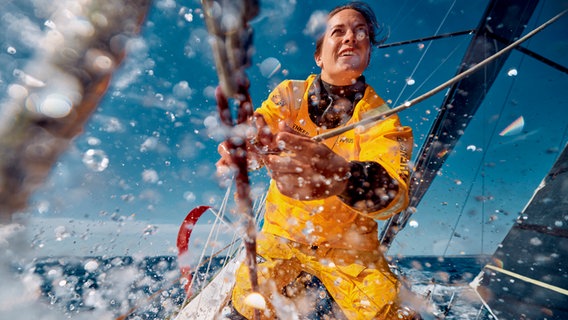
x=330, y=222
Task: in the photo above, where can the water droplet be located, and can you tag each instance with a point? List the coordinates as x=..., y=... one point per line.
x=211, y=122
x=413, y=223
x=338, y=281
x=150, y=175
x=55, y=106
x=255, y=300
x=91, y=265
x=92, y=141
x=410, y=81
x=309, y=228
x=189, y=196
x=102, y=63
x=61, y=233
x=17, y=91
x=150, y=143
x=182, y=90
x=11, y=50
x=535, y=241
x=471, y=147
x=96, y=160
x=150, y=230
x=50, y=24
x=512, y=72
x=269, y=67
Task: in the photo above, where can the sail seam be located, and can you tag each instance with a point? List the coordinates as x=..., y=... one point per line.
x=529, y=280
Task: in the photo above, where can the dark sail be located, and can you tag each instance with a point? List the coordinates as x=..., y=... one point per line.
x=504, y=20
x=528, y=275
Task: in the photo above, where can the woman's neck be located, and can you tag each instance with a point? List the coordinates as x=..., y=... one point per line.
x=347, y=91
x=330, y=105
x=343, y=79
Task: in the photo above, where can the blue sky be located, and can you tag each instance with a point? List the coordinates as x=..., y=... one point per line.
x=157, y=125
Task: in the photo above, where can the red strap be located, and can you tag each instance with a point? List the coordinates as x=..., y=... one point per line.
x=183, y=241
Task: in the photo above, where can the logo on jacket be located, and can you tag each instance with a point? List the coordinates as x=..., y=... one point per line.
x=345, y=140
x=300, y=130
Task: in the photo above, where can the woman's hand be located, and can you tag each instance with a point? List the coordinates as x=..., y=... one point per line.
x=302, y=168
x=305, y=169
x=259, y=142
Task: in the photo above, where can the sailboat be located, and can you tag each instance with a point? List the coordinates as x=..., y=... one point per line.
x=531, y=259
x=509, y=276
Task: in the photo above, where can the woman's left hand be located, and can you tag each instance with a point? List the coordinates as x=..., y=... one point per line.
x=306, y=169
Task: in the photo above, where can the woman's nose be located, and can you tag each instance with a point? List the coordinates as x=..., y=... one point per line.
x=349, y=37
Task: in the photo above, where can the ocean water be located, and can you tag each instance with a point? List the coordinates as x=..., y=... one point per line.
x=149, y=287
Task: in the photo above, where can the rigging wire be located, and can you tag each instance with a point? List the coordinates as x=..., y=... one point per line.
x=374, y=118
x=212, y=230
x=482, y=162
x=399, y=18
x=477, y=174
x=424, y=39
x=424, y=53
x=437, y=68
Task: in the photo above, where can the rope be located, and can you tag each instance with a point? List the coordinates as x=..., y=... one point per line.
x=231, y=48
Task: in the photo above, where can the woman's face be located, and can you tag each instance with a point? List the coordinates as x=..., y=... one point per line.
x=345, y=50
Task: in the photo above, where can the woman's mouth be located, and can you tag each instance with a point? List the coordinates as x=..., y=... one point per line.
x=347, y=53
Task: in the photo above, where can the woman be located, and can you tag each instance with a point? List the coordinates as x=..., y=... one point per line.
x=324, y=196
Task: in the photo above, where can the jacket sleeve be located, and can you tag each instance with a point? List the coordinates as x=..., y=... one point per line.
x=379, y=182
x=278, y=106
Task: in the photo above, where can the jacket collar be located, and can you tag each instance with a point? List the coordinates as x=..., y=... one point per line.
x=330, y=106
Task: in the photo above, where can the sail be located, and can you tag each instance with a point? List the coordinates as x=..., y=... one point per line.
x=504, y=20
x=527, y=276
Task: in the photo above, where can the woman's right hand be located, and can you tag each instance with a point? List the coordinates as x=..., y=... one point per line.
x=259, y=142
x=225, y=163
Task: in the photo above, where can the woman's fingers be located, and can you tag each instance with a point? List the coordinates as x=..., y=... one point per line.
x=308, y=171
x=224, y=164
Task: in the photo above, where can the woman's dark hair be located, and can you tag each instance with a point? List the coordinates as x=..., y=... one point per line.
x=365, y=10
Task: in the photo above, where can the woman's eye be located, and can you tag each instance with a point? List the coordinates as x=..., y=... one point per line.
x=336, y=32
x=361, y=34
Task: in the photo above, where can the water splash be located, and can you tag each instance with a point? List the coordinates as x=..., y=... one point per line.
x=269, y=67
x=96, y=160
